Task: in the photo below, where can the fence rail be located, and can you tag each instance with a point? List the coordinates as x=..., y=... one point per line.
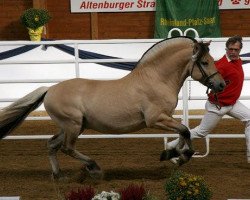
x=184, y=96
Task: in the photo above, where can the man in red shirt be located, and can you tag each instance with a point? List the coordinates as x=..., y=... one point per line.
x=227, y=101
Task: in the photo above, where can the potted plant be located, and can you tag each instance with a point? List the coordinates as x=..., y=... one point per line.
x=34, y=20
x=186, y=186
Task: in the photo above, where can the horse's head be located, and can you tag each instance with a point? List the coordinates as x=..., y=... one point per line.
x=204, y=69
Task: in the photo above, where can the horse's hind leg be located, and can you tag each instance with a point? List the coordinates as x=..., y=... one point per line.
x=54, y=144
x=71, y=133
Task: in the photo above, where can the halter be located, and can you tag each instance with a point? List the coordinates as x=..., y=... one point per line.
x=206, y=80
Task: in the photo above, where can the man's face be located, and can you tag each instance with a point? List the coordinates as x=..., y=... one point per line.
x=233, y=51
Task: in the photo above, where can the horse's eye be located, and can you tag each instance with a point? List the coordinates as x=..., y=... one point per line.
x=204, y=63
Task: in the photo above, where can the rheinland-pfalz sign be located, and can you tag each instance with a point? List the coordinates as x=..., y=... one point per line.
x=78, y=6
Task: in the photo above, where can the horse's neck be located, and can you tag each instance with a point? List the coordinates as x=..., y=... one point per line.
x=170, y=71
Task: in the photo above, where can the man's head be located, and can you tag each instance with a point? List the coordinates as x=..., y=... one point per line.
x=233, y=47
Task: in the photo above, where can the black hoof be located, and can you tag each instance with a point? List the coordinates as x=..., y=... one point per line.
x=185, y=157
x=59, y=176
x=181, y=161
x=168, y=154
x=97, y=175
x=94, y=170
x=92, y=165
x=188, y=153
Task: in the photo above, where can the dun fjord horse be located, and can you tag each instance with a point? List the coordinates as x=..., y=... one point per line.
x=146, y=97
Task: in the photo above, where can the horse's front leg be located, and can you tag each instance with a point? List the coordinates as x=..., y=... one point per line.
x=168, y=123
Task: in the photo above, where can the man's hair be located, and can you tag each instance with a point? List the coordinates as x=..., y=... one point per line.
x=233, y=40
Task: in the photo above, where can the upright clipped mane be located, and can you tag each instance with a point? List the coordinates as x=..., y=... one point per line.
x=204, y=48
x=158, y=45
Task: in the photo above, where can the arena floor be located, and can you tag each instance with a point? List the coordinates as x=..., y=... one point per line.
x=25, y=170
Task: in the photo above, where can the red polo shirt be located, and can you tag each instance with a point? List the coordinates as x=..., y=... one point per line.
x=233, y=75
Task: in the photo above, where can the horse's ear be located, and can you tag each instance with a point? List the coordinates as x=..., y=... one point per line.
x=196, y=51
x=207, y=43
x=200, y=48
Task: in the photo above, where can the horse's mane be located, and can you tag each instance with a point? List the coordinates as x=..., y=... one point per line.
x=201, y=47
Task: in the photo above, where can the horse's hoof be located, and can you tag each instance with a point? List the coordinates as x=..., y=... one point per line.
x=59, y=177
x=163, y=155
x=168, y=154
x=92, y=165
x=181, y=161
x=175, y=161
x=189, y=153
x=97, y=174
x=178, y=161
x=94, y=170
x=185, y=157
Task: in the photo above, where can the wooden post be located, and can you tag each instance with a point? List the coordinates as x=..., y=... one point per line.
x=39, y=4
x=94, y=26
x=42, y=4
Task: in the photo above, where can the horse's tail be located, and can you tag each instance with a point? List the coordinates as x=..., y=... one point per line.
x=14, y=114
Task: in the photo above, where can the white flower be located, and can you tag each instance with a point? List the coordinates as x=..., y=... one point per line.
x=107, y=196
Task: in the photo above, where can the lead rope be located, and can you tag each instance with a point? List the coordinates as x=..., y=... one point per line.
x=217, y=104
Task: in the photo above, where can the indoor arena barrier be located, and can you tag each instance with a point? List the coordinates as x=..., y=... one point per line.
x=185, y=96
x=10, y=198
x=124, y=136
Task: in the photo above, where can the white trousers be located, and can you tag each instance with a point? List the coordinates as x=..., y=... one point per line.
x=214, y=115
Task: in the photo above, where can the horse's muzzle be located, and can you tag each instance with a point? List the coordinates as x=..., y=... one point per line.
x=216, y=86
x=215, y=82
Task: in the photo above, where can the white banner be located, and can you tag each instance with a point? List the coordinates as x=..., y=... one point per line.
x=112, y=5
x=78, y=6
